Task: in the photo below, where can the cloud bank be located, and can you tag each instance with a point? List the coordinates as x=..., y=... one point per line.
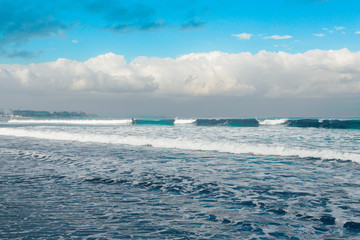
x=315, y=73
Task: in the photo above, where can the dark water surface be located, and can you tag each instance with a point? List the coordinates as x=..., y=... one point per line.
x=73, y=190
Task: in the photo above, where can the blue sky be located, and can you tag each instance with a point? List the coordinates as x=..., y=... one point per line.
x=41, y=31
x=181, y=57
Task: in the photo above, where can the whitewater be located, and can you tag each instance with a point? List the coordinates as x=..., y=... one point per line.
x=272, y=138
x=172, y=178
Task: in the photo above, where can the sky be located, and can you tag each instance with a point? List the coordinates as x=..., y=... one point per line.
x=235, y=58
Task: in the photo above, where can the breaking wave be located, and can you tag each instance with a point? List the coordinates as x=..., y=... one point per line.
x=246, y=122
x=324, y=123
x=184, y=121
x=272, y=121
x=71, y=121
x=186, y=144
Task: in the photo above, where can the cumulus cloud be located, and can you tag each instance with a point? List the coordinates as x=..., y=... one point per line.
x=319, y=34
x=278, y=37
x=357, y=32
x=315, y=73
x=243, y=36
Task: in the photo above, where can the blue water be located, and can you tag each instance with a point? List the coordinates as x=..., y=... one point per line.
x=110, y=179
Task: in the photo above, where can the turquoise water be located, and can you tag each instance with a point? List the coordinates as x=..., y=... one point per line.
x=110, y=179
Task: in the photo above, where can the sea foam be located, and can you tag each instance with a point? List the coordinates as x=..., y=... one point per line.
x=184, y=121
x=187, y=144
x=272, y=121
x=71, y=122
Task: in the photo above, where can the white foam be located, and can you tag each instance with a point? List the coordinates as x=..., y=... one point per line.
x=184, y=121
x=186, y=144
x=272, y=121
x=71, y=122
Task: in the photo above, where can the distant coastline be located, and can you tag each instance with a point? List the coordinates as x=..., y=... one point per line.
x=43, y=114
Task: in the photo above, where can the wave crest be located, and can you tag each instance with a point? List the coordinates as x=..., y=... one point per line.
x=186, y=144
x=273, y=121
x=184, y=121
x=71, y=122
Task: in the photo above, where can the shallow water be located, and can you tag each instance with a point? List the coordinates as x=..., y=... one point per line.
x=177, y=182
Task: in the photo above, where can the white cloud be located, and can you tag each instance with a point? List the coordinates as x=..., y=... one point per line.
x=338, y=28
x=357, y=32
x=75, y=41
x=319, y=34
x=315, y=73
x=243, y=36
x=277, y=37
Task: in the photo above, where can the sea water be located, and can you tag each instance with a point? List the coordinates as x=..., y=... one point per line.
x=180, y=179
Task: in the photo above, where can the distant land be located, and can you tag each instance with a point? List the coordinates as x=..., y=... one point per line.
x=43, y=114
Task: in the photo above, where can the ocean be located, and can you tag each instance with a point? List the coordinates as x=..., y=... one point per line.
x=164, y=178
